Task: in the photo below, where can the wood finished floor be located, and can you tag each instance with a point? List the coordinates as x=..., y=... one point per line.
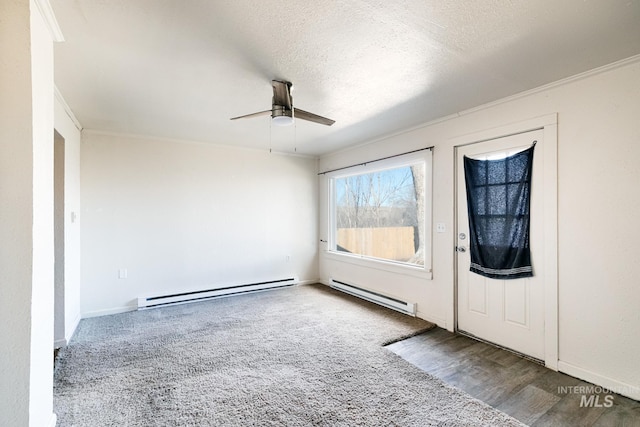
x=533, y=394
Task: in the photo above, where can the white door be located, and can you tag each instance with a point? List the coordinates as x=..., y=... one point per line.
x=510, y=313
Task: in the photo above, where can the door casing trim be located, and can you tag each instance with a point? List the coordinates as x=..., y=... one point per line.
x=549, y=125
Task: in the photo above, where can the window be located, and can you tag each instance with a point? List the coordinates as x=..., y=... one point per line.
x=379, y=211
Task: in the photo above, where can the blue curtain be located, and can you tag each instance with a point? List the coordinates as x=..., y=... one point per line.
x=498, y=201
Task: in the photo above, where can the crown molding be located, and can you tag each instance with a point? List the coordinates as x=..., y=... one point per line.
x=66, y=107
x=50, y=19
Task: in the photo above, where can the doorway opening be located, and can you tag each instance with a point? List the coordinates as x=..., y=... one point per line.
x=58, y=239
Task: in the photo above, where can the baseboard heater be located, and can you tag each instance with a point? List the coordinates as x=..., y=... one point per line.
x=386, y=301
x=186, y=297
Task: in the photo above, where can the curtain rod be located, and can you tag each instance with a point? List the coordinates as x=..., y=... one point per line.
x=376, y=160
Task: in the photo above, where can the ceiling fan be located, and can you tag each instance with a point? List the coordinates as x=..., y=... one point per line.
x=282, y=110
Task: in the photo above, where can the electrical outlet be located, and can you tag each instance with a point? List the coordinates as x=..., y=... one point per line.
x=122, y=273
x=440, y=227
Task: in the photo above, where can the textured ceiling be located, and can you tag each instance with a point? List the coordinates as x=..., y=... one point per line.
x=180, y=69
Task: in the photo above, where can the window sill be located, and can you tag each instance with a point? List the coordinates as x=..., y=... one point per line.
x=392, y=267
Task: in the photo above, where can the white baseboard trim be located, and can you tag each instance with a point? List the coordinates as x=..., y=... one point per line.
x=69, y=332
x=437, y=320
x=72, y=330
x=53, y=420
x=607, y=383
x=108, y=311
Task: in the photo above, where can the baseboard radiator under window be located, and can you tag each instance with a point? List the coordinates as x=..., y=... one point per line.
x=375, y=297
x=186, y=297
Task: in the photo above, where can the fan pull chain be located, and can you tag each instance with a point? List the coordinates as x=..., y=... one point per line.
x=270, y=135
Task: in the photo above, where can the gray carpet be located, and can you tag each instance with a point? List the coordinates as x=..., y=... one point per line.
x=298, y=356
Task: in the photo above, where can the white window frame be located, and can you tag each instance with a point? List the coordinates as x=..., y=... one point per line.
x=425, y=157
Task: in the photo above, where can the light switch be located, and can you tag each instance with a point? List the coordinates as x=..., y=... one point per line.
x=440, y=227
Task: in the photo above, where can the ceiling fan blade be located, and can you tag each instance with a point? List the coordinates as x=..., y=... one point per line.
x=305, y=115
x=261, y=113
x=281, y=93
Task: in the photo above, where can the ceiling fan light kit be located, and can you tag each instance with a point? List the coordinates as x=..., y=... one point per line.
x=282, y=110
x=280, y=116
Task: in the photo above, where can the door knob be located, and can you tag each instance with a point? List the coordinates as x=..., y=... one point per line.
x=461, y=249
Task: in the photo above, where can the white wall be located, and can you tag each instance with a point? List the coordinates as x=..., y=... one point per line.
x=26, y=212
x=68, y=128
x=182, y=216
x=598, y=175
